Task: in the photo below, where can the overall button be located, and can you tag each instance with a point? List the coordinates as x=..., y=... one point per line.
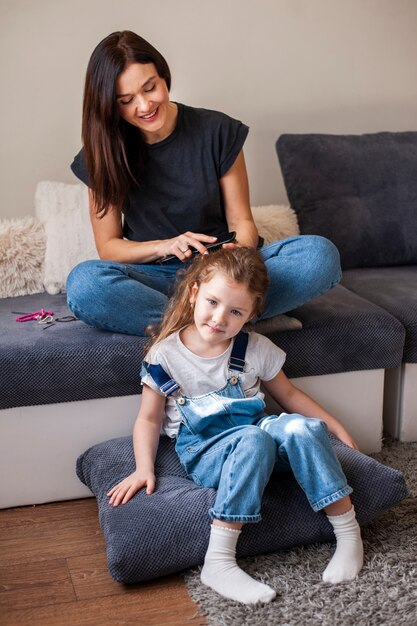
x=233, y=380
x=181, y=401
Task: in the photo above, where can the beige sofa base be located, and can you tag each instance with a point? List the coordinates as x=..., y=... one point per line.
x=39, y=445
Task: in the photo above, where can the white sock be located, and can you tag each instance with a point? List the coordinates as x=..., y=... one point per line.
x=221, y=572
x=347, y=561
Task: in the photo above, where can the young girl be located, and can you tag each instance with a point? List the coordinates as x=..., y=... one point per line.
x=201, y=382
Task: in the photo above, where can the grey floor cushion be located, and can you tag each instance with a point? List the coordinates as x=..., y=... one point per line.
x=168, y=531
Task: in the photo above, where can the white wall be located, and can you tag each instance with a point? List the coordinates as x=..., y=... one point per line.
x=338, y=66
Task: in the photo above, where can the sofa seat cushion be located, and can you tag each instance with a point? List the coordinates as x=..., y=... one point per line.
x=67, y=361
x=342, y=332
x=395, y=290
x=154, y=535
x=72, y=361
x=359, y=191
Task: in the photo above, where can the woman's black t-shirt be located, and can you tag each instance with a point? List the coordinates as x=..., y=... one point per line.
x=179, y=189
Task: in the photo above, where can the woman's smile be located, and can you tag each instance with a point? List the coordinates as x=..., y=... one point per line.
x=150, y=117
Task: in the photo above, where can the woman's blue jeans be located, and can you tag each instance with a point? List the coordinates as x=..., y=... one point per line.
x=126, y=298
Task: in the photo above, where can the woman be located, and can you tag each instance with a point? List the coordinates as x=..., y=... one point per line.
x=165, y=179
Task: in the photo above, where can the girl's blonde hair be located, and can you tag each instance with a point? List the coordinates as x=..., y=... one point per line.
x=243, y=265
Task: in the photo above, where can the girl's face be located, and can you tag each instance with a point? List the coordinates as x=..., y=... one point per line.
x=221, y=308
x=143, y=100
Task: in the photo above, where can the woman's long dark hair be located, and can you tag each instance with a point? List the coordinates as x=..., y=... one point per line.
x=114, y=150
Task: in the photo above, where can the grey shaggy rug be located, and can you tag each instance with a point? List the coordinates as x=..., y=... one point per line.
x=385, y=593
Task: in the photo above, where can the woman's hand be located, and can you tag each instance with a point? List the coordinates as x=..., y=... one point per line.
x=231, y=245
x=182, y=246
x=127, y=488
x=111, y=246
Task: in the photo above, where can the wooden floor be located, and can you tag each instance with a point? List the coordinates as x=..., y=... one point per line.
x=53, y=571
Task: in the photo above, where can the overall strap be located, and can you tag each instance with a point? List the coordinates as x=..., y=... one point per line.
x=166, y=385
x=237, y=358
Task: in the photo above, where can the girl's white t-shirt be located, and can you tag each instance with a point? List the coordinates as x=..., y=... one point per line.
x=198, y=375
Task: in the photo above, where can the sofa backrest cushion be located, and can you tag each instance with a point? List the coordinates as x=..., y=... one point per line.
x=360, y=191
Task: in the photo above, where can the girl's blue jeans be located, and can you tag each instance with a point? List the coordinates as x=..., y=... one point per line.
x=126, y=298
x=228, y=443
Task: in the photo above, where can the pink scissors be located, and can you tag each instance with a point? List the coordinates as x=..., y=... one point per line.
x=36, y=315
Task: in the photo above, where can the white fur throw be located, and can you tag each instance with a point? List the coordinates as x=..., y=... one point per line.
x=276, y=221
x=63, y=210
x=22, y=251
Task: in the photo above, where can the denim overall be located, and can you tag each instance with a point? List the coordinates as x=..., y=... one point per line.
x=227, y=442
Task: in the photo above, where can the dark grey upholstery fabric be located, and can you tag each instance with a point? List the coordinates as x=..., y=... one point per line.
x=395, y=290
x=65, y=362
x=359, y=191
x=168, y=531
x=342, y=332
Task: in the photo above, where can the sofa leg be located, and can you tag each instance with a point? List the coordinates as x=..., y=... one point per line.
x=392, y=398
x=400, y=402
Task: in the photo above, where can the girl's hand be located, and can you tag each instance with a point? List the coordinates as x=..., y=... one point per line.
x=342, y=434
x=183, y=245
x=130, y=485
